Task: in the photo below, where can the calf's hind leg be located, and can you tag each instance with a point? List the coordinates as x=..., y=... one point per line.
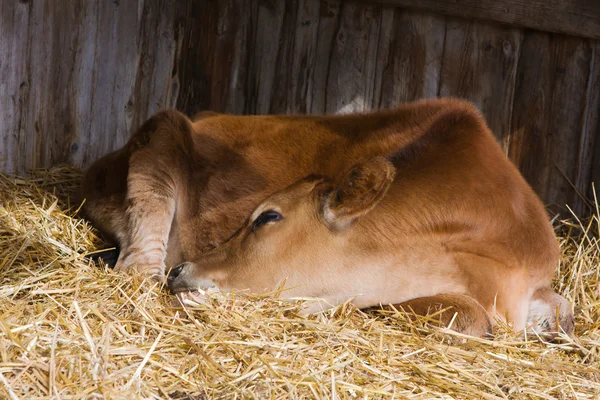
x=465, y=313
x=550, y=313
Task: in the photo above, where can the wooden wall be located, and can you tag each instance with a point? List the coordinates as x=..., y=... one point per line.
x=77, y=77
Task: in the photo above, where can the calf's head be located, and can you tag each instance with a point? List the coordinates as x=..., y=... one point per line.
x=293, y=235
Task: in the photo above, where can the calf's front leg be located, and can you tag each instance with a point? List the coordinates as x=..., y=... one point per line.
x=158, y=152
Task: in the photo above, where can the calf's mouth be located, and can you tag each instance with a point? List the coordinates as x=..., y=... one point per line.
x=180, y=280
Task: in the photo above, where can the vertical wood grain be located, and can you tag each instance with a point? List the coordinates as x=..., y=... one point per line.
x=588, y=163
x=295, y=83
x=480, y=64
x=292, y=57
x=572, y=17
x=233, y=54
x=410, y=54
x=351, y=76
x=14, y=90
x=78, y=77
x=197, y=57
x=329, y=21
x=549, y=116
x=268, y=43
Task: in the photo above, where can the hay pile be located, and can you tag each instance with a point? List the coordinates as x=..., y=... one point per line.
x=69, y=329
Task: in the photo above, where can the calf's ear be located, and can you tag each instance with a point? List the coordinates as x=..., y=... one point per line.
x=358, y=192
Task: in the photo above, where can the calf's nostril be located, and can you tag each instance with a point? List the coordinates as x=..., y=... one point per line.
x=174, y=273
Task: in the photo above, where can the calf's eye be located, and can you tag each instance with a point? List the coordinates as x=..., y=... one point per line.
x=266, y=217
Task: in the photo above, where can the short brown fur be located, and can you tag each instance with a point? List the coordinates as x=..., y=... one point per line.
x=180, y=188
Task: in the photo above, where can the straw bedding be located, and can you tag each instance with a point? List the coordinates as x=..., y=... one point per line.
x=72, y=329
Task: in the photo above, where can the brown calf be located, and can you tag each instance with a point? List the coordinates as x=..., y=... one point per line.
x=458, y=221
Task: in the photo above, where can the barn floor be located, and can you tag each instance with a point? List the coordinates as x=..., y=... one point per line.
x=69, y=329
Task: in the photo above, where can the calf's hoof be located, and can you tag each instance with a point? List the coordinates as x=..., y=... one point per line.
x=550, y=314
x=141, y=267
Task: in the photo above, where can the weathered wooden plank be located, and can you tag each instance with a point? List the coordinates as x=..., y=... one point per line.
x=329, y=21
x=105, y=76
x=351, y=84
x=284, y=66
x=267, y=45
x=549, y=115
x=197, y=56
x=102, y=68
x=295, y=90
x=236, y=41
x=155, y=53
x=232, y=58
x=14, y=20
x=283, y=71
x=589, y=162
x=79, y=78
x=480, y=64
x=573, y=17
x=409, y=61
